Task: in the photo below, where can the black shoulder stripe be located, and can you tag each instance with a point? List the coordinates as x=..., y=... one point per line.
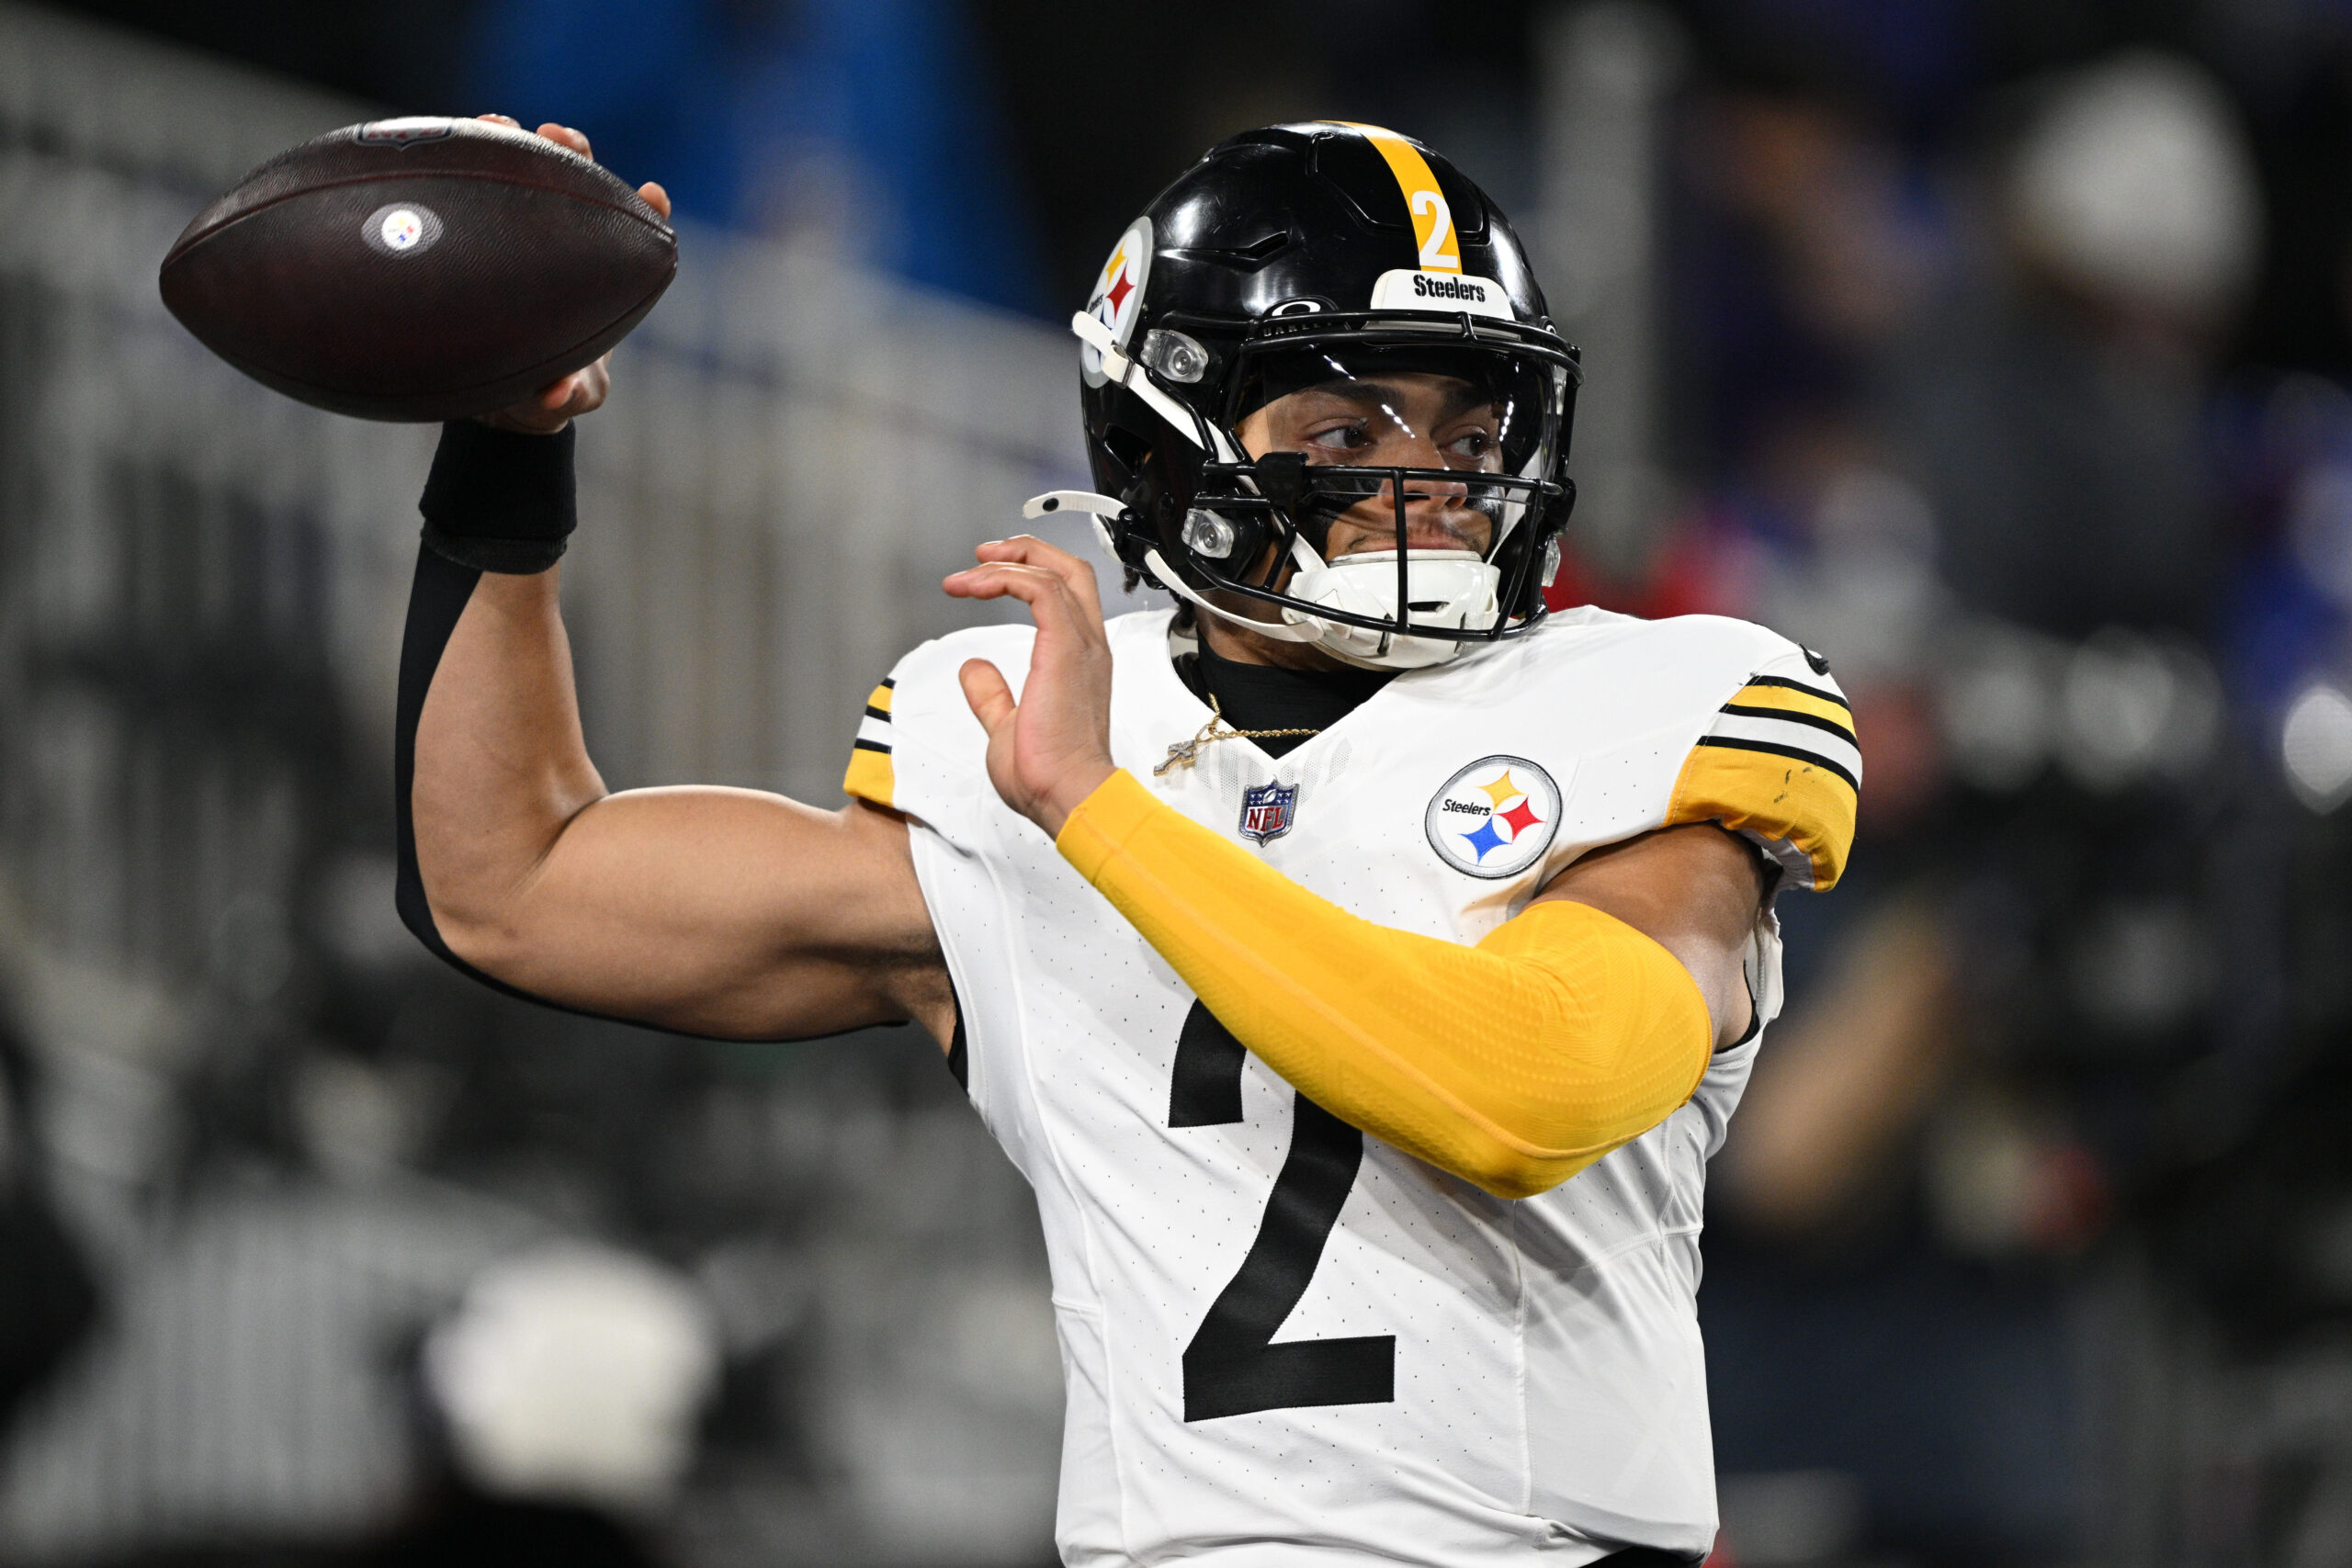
x=1744, y=711
x=882, y=714
x=1736, y=743
x=862, y=744
x=890, y=680
x=1801, y=686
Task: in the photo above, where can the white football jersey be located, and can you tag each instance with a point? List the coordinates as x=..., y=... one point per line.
x=1282, y=1341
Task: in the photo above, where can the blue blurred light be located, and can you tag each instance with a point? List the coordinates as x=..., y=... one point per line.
x=868, y=119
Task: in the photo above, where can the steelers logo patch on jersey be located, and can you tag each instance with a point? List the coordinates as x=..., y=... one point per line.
x=1118, y=298
x=1495, y=817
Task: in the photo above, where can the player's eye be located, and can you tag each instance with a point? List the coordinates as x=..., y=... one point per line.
x=1474, y=446
x=1351, y=436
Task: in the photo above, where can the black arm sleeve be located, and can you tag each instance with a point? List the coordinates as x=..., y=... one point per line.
x=435, y=600
x=482, y=480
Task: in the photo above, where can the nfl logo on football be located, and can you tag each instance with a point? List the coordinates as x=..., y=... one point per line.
x=1266, y=810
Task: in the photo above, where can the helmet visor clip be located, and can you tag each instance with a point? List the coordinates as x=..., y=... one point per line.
x=1282, y=478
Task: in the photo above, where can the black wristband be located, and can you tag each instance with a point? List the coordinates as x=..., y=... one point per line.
x=500, y=502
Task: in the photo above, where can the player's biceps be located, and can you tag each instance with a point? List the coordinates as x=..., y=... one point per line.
x=1718, y=970
x=872, y=899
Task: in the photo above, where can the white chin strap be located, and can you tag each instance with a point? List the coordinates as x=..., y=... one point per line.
x=1101, y=508
x=1452, y=590
x=1454, y=587
x=1448, y=588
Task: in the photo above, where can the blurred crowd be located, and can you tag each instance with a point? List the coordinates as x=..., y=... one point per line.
x=1989, y=389
x=2005, y=352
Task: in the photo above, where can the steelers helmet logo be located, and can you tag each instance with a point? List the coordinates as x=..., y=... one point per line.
x=1118, y=298
x=1495, y=817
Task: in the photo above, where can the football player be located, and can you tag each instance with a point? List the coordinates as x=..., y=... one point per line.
x=1360, y=962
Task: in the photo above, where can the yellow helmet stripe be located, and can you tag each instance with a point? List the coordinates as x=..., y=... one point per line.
x=1433, y=235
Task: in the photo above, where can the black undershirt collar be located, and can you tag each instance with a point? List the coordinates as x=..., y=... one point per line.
x=1266, y=696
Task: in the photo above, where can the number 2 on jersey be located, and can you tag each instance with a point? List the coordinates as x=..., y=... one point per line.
x=1233, y=1367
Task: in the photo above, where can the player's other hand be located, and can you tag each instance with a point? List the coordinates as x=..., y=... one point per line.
x=557, y=404
x=1050, y=750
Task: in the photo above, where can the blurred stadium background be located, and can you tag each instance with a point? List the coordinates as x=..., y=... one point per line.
x=1998, y=347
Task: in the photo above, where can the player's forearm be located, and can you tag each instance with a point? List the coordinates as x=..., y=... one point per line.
x=488, y=759
x=1513, y=1064
x=502, y=768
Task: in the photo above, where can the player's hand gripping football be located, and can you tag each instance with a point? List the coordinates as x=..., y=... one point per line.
x=1050, y=750
x=557, y=404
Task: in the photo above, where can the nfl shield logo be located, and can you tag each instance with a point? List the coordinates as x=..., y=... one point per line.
x=1266, y=810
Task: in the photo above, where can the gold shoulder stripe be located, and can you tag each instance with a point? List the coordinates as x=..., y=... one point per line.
x=1434, y=239
x=871, y=777
x=1764, y=691
x=1806, y=802
x=878, y=703
x=1832, y=722
x=1787, y=684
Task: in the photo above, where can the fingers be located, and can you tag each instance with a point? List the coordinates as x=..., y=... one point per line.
x=556, y=404
x=1027, y=550
x=652, y=195
x=1057, y=586
x=565, y=397
x=1001, y=579
x=985, y=689
x=583, y=391
x=1063, y=619
x=1058, y=608
x=564, y=136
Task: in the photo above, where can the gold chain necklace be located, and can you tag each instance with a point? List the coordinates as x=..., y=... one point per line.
x=1185, y=752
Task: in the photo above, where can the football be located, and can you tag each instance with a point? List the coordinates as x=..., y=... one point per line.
x=419, y=269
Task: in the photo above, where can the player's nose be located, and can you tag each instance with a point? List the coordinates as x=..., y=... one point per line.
x=1424, y=490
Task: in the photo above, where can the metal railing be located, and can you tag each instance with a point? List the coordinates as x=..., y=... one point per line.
x=201, y=593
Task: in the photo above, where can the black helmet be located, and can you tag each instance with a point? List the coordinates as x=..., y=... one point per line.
x=1300, y=256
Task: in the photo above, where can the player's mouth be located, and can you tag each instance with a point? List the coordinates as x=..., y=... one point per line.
x=1421, y=533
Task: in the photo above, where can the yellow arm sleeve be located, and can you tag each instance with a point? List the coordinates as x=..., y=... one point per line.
x=1513, y=1063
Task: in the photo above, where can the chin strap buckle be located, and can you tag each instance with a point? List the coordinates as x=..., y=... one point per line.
x=1084, y=500
x=1101, y=508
